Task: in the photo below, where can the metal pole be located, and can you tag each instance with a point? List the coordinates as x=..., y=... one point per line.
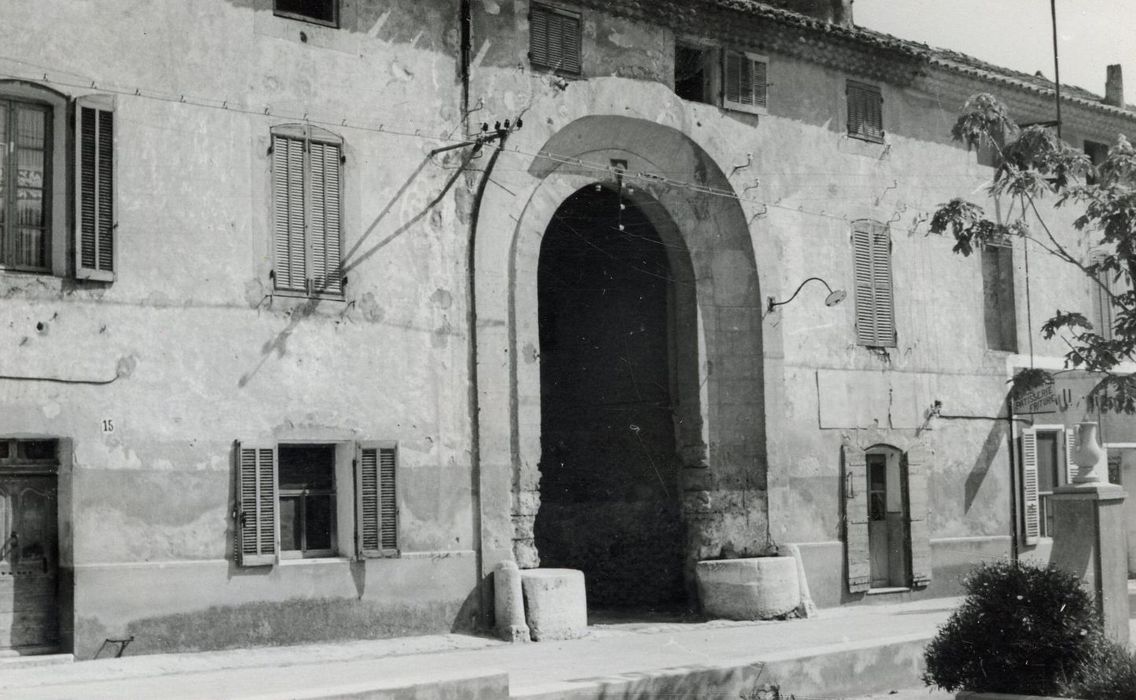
x=1056, y=64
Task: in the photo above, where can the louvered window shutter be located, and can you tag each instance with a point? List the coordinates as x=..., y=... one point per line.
x=1031, y=506
x=856, y=519
x=1103, y=316
x=325, y=218
x=744, y=82
x=554, y=39
x=288, y=213
x=377, y=504
x=865, y=111
x=917, y=507
x=255, y=510
x=871, y=270
x=95, y=254
x=1070, y=449
x=881, y=282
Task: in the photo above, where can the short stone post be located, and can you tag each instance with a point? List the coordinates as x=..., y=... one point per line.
x=508, y=603
x=1089, y=536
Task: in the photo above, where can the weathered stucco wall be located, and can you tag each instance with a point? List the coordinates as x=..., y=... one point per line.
x=807, y=181
x=202, y=354
x=205, y=355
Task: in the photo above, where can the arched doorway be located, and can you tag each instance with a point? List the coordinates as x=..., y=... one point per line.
x=609, y=470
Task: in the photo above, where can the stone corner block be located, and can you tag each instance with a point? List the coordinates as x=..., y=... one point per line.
x=556, y=605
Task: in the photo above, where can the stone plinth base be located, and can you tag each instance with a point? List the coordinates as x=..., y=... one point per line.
x=758, y=588
x=556, y=606
x=1089, y=541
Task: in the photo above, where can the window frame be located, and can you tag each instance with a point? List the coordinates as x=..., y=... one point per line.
x=997, y=259
x=257, y=499
x=854, y=89
x=300, y=17
x=56, y=164
x=302, y=494
x=1065, y=472
x=723, y=73
x=306, y=134
x=556, y=10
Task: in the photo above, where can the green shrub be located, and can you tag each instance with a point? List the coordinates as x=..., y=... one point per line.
x=1021, y=629
x=1109, y=674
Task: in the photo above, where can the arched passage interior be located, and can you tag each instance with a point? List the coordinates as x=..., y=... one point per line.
x=609, y=485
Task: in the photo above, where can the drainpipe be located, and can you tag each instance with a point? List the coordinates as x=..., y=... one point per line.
x=466, y=53
x=485, y=591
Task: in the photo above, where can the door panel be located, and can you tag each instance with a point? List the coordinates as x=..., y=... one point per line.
x=28, y=561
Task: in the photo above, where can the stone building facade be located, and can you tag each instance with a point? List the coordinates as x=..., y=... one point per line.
x=295, y=349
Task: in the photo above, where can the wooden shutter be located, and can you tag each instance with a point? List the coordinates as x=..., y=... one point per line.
x=290, y=266
x=918, y=532
x=1103, y=317
x=871, y=270
x=744, y=82
x=856, y=519
x=554, y=39
x=376, y=500
x=1031, y=506
x=325, y=218
x=1070, y=449
x=865, y=111
x=255, y=512
x=95, y=254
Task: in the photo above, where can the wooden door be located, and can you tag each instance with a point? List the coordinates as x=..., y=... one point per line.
x=29, y=618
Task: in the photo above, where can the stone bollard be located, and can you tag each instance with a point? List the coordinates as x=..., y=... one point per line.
x=556, y=606
x=508, y=603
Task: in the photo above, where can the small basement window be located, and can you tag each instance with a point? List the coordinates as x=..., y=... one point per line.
x=318, y=11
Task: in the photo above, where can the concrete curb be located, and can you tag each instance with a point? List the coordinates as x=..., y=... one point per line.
x=827, y=671
x=490, y=685
x=968, y=695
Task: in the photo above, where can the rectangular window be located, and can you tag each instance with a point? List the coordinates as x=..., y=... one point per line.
x=998, y=297
x=307, y=195
x=554, y=39
x=1047, y=464
x=25, y=192
x=743, y=82
x=1097, y=153
x=865, y=112
x=693, y=73
x=310, y=500
x=306, y=475
x=875, y=305
x=318, y=11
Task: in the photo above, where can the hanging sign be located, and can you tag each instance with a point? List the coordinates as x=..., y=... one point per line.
x=1040, y=399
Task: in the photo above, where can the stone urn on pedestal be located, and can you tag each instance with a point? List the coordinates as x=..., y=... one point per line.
x=1087, y=455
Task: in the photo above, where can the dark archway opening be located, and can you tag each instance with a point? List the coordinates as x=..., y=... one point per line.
x=609, y=470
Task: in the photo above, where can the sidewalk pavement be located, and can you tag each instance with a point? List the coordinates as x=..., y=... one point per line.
x=844, y=652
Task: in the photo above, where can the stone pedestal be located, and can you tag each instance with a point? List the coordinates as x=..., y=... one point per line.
x=1089, y=541
x=555, y=603
x=757, y=588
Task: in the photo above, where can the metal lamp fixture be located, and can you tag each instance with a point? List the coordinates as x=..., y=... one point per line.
x=835, y=296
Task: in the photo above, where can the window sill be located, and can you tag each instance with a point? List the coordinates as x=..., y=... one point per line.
x=315, y=561
x=888, y=590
